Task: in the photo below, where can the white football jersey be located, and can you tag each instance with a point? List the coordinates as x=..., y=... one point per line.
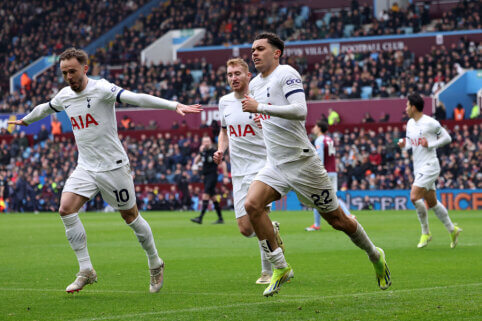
x=286, y=140
x=430, y=129
x=92, y=116
x=246, y=144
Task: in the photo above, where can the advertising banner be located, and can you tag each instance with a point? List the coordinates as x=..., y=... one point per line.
x=452, y=199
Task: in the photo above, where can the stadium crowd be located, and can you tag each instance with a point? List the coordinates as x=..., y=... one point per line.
x=32, y=175
x=346, y=76
x=32, y=29
x=375, y=74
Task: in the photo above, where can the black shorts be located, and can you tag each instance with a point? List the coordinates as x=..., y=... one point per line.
x=210, y=181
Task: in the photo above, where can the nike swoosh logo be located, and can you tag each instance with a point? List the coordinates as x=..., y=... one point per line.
x=120, y=205
x=227, y=115
x=67, y=106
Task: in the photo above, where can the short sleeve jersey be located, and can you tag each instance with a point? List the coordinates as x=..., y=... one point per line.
x=92, y=116
x=325, y=147
x=426, y=127
x=247, y=150
x=285, y=139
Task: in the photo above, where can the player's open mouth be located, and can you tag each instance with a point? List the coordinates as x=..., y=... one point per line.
x=256, y=60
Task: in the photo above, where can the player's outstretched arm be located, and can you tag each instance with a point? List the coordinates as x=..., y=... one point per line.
x=296, y=110
x=149, y=101
x=39, y=112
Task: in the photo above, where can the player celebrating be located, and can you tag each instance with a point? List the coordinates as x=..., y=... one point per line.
x=325, y=147
x=424, y=135
x=102, y=164
x=246, y=149
x=292, y=161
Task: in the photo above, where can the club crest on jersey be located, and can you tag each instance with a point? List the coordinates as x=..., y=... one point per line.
x=88, y=102
x=83, y=122
x=240, y=131
x=267, y=91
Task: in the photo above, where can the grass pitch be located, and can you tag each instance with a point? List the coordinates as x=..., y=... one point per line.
x=211, y=270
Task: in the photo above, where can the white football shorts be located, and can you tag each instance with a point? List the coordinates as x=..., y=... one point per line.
x=306, y=177
x=427, y=176
x=116, y=186
x=240, y=190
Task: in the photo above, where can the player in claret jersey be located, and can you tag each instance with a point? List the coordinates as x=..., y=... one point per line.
x=325, y=147
x=424, y=135
x=103, y=165
x=247, y=151
x=277, y=94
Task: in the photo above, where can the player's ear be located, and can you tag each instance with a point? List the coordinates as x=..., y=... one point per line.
x=277, y=53
x=86, y=68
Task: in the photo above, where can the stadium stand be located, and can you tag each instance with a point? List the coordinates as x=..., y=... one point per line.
x=33, y=29
x=32, y=171
x=33, y=174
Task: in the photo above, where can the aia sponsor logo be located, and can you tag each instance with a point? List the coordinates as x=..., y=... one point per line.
x=241, y=131
x=81, y=122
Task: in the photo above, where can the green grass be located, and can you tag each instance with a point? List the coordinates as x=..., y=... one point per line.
x=211, y=269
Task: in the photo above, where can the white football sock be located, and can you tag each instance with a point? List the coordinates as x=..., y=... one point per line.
x=144, y=234
x=443, y=216
x=276, y=257
x=361, y=239
x=75, y=232
x=265, y=263
x=422, y=215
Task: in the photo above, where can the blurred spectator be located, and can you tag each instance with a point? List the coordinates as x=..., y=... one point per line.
x=368, y=118
x=440, y=113
x=475, y=112
x=367, y=203
x=26, y=82
x=56, y=126
x=384, y=118
x=459, y=112
x=43, y=134
x=333, y=117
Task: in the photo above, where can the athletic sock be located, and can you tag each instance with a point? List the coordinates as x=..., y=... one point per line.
x=204, y=208
x=276, y=257
x=361, y=239
x=443, y=216
x=422, y=215
x=265, y=263
x=317, y=217
x=144, y=234
x=218, y=210
x=75, y=232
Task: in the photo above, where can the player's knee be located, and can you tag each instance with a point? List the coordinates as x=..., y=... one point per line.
x=414, y=198
x=252, y=207
x=246, y=231
x=65, y=210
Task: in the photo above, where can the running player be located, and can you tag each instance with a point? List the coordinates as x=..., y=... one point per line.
x=277, y=94
x=246, y=150
x=103, y=165
x=325, y=147
x=424, y=135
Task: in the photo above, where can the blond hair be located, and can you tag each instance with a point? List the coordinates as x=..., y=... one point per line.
x=238, y=62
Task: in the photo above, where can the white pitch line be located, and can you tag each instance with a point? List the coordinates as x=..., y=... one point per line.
x=267, y=301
